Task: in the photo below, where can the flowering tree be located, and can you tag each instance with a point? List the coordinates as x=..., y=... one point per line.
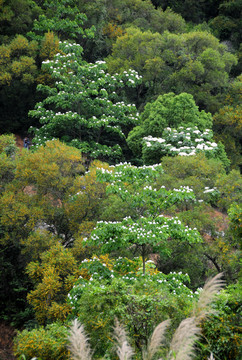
x=117, y=288
x=84, y=108
x=148, y=231
x=63, y=18
x=168, y=110
x=183, y=142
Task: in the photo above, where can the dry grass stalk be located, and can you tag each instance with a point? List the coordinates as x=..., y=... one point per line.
x=124, y=350
x=156, y=340
x=79, y=346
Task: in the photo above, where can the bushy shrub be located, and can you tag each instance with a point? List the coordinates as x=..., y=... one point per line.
x=48, y=343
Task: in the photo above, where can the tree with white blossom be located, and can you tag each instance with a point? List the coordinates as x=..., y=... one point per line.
x=183, y=142
x=86, y=107
x=148, y=231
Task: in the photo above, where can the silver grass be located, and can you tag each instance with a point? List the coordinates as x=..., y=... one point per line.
x=78, y=342
x=156, y=340
x=211, y=357
x=210, y=289
x=124, y=350
x=183, y=339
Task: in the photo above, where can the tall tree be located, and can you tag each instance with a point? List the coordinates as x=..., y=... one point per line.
x=168, y=110
x=16, y=17
x=148, y=231
x=191, y=10
x=18, y=74
x=193, y=62
x=85, y=107
x=228, y=123
x=111, y=18
x=63, y=18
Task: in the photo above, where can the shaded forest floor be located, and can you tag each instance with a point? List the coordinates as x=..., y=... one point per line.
x=19, y=143
x=7, y=334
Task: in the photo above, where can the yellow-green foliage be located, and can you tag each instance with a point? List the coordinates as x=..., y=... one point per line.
x=19, y=214
x=84, y=203
x=46, y=344
x=51, y=169
x=53, y=277
x=6, y=141
x=49, y=46
x=8, y=149
x=230, y=187
x=17, y=61
x=36, y=243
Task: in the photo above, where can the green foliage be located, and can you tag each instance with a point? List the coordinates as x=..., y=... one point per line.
x=16, y=17
x=222, y=331
x=191, y=10
x=45, y=344
x=14, y=286
x=184, y=142
x=174, y=111
x=228, y=125
x=235, y=217
x=226, y=24
x=193, y=62
x=63, y=18
x=111, y=20
x=197, y=172
x=230, y=187
x=83, y=108
x=138, y=301
x=168, y=110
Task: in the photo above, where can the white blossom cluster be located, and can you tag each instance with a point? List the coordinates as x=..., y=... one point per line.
x=146, y=230
x=183, y=142
x=208, y=190
x=172, y=282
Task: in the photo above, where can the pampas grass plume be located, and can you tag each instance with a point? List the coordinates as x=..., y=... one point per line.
x=183, y=339
x=124, y=350
x=156, y=340
x=210, y=289
x=188, y=331
x=79, y=346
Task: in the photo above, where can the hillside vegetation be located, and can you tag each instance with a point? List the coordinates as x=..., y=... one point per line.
x=128, y=198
